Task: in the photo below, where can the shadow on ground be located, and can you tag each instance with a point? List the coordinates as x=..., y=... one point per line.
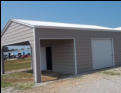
x=50, y=75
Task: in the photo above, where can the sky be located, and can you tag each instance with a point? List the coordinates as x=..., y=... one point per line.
x=102, y=13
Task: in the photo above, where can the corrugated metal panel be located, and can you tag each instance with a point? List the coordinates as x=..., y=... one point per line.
x=83, y=44
x=17, y=33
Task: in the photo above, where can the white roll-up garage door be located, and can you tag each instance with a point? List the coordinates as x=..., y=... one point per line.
x=102, y=53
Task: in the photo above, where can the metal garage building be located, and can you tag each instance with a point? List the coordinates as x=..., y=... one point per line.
x=65, y=48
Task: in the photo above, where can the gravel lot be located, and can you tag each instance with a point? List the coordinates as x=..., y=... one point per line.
x=90, y=83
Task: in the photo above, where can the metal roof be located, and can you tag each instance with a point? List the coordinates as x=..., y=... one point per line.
x=34, y=24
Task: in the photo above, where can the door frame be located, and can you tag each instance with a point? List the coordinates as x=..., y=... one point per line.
x=112, y=46
x=74, y=46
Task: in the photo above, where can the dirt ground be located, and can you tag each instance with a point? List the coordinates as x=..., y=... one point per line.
x=106, y=81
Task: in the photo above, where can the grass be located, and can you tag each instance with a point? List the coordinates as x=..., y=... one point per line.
x=5, y=84
x=112, y=71
x=17, y=64
x=24, y=86
x=18, y=80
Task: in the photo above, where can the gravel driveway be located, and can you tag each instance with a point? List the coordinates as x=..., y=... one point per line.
x=90, y=83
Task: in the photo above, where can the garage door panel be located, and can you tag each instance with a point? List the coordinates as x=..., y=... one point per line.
x=102, y=53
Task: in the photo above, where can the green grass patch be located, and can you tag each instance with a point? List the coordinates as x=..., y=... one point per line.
x=111, y=73
x=5, y=84
x=18, y=80
x=18, y=75
x=17, y=64
x=24, y=86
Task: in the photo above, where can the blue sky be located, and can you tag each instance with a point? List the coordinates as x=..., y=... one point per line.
x=93, y=13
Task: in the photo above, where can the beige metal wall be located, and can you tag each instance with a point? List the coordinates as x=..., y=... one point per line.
x=17, y=33
x=62, y=54
x=83, y=43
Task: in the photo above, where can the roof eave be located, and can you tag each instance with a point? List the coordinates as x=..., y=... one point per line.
x=91, y=29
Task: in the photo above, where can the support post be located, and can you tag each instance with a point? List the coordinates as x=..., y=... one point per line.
x=2, y=62
x=36, y=58
x=31, y=57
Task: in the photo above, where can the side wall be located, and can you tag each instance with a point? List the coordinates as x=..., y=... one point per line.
x=85, y=51
x=83, y=43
